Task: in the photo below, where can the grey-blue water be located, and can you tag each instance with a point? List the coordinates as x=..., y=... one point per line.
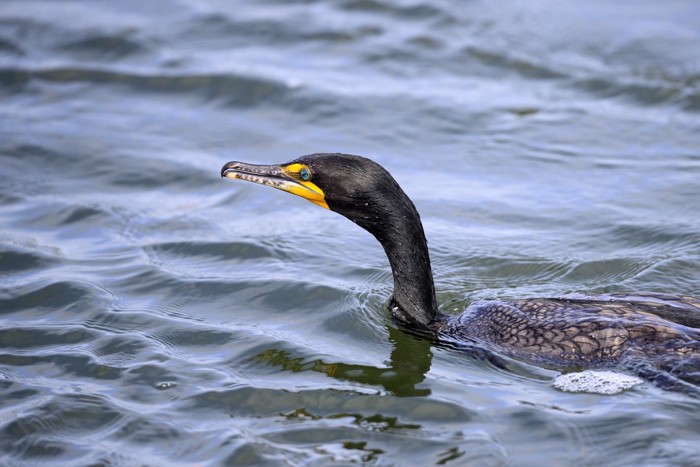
x=154, y=314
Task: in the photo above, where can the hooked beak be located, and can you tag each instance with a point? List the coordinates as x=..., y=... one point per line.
x=282, y=177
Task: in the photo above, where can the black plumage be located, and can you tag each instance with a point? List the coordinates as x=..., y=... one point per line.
x=655, y=335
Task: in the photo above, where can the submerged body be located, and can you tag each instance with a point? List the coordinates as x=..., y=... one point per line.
x=655, y=335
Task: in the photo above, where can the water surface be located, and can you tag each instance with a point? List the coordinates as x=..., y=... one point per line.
x=151, y=313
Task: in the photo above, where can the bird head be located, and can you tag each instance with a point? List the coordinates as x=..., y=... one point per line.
x=353, y=186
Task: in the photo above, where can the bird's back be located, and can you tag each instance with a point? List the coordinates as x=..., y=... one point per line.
x=646, y=332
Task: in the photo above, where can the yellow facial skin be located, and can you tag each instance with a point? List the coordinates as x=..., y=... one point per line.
x=286, y=178
x=307, y=190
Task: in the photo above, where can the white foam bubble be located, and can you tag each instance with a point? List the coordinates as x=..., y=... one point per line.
x=596, y=382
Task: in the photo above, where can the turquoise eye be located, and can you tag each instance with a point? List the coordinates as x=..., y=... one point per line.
x=305, y=174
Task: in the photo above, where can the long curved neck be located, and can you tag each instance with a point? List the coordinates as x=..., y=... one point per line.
x=407, y=250
x=394, y=221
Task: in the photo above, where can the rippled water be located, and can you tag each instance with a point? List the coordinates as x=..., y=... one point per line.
x=151, y=313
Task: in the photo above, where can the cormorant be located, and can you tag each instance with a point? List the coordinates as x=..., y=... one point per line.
x=657, y=336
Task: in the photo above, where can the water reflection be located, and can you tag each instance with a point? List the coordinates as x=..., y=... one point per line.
x=552, y=147
x=408, y=364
